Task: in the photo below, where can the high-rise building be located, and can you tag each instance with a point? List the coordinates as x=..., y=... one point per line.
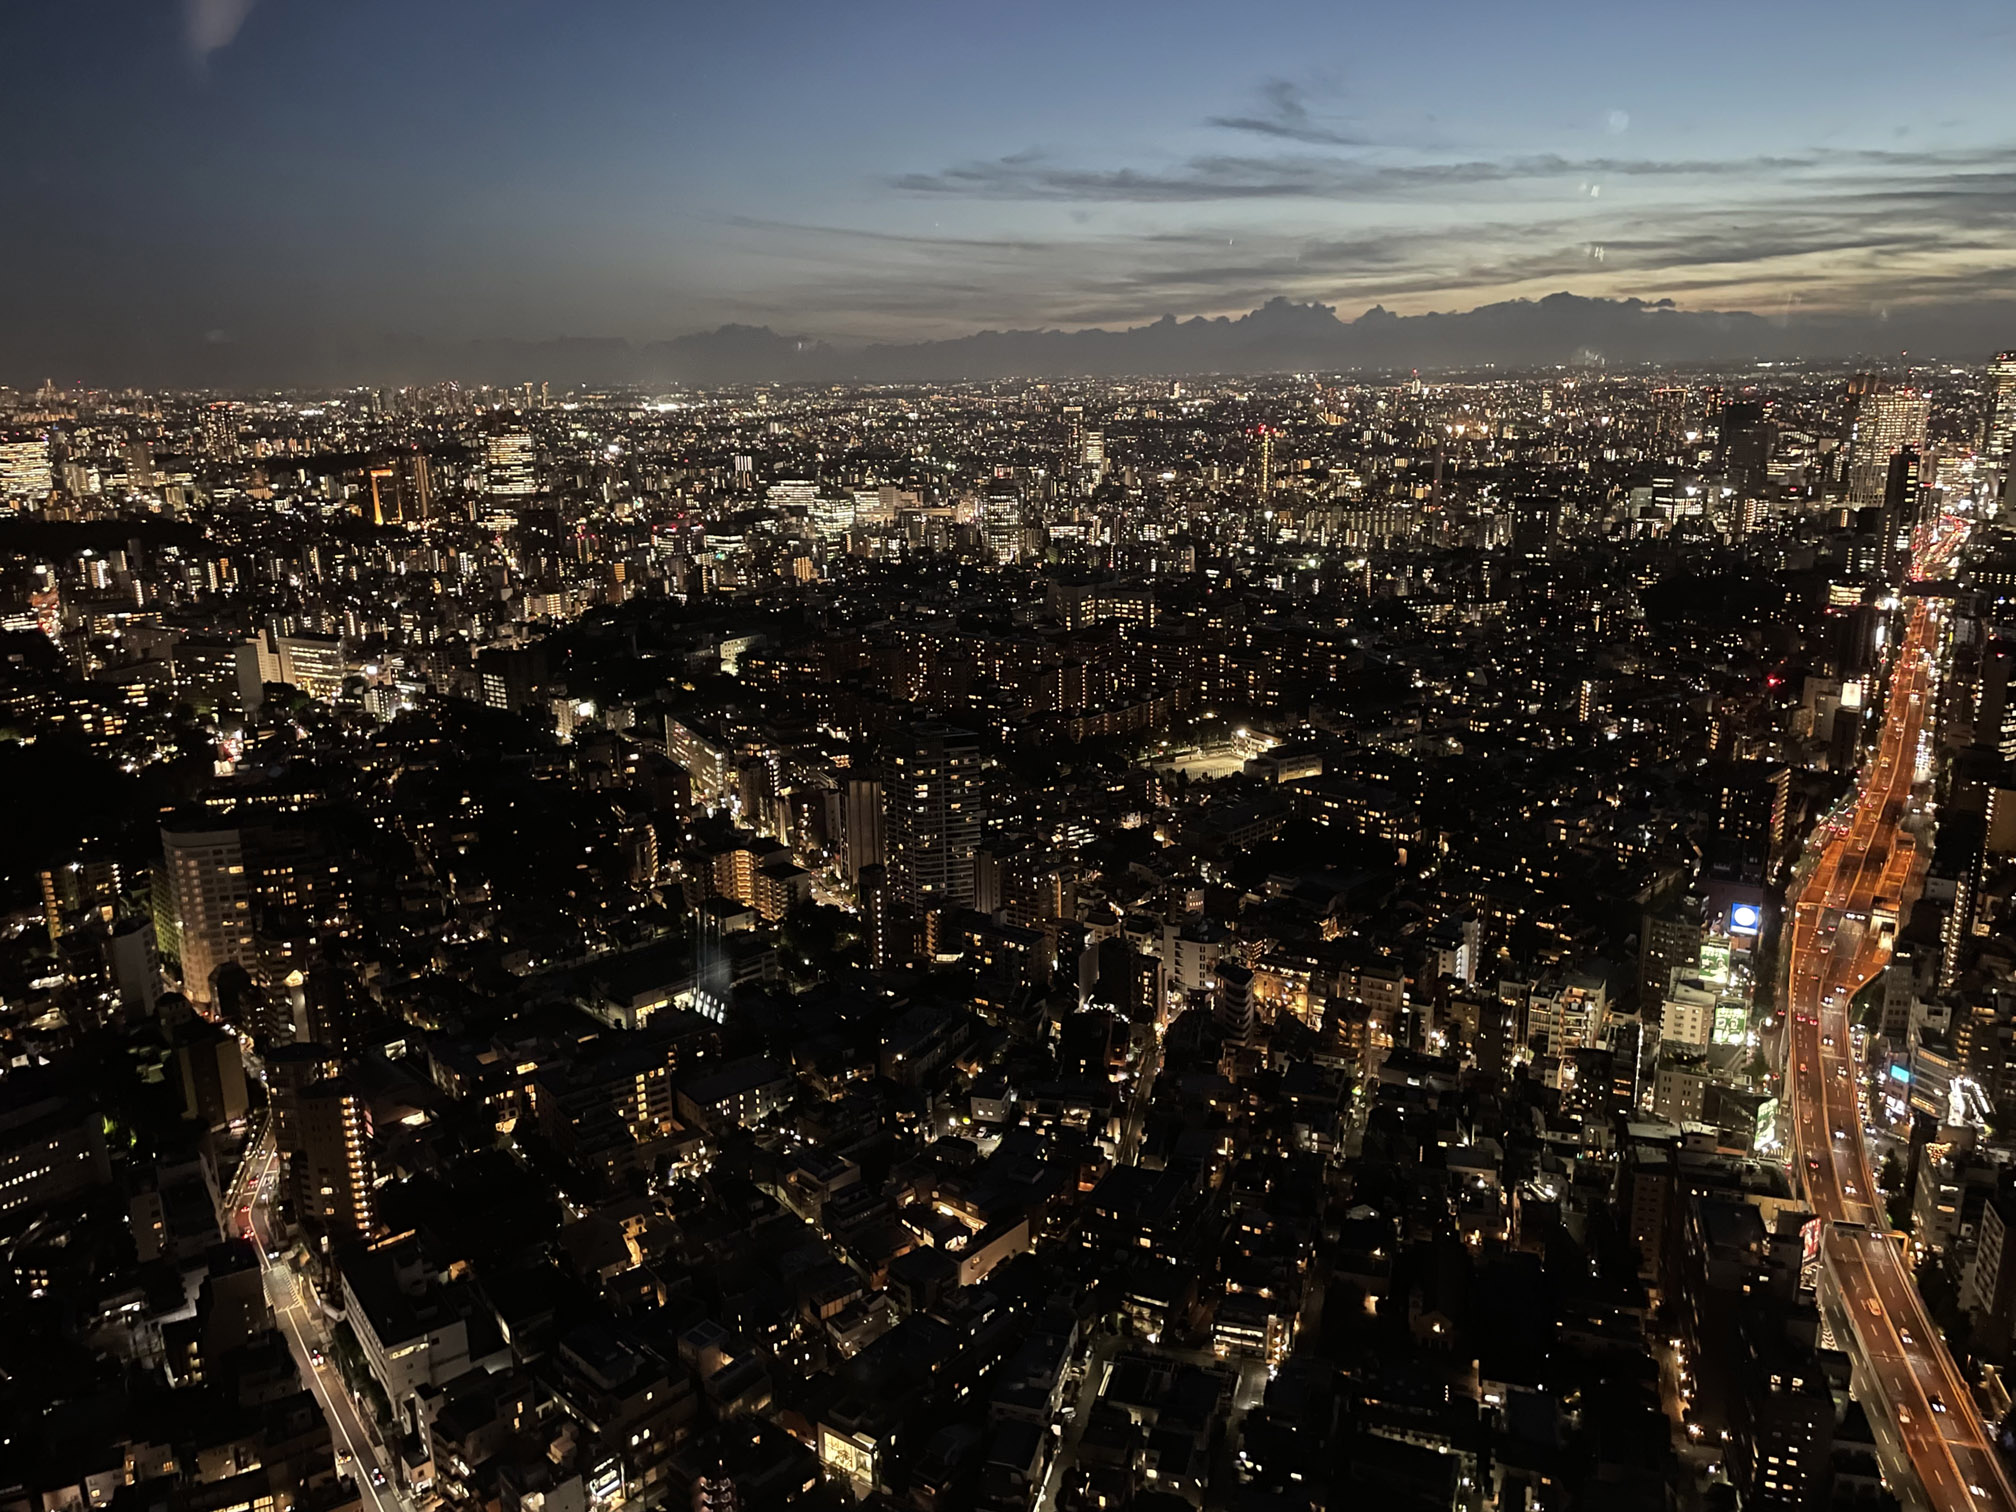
x=210, y=1070
x=291, y=1071
x=139, y=465
x=26, y=475
x=337, y=1171
x=931, y=786
x=508, y=471
x=1886, y=421
x=220, y=431
x=402, y=490
x=1667, y=421
x=861, y=835
x=887, y=928
x=1001, y=525
x=1093, y=456
x=1747, y=435
x=2002, y=407
x=1901, y=488
x=1668, y=940
x=1995, y=699
x=384, y=496
x=211, y=888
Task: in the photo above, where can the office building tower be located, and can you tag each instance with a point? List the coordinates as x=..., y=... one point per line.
x=508, y=471
x=416, y=487
x=1899, y=514
x=1667, y=421
x=316, y=664
x=1747, y=437
x=2001, y=440
x=827, y=519
x=933, y=816
x=1002, y=528
x=26, y=475
x=1886, y=421
x=337, y=1172
x=402, y=490
x=832, y=516
x=1263, y=461
x=384, y=496
x=1074, y=439
x=139, y=465
x=211, y=889
x=1093, y=456
x=1590, y=695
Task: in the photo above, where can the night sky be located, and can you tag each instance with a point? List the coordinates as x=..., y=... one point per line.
x=303, y=172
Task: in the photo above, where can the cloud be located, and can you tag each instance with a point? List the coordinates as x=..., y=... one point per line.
x=210, y=25
x=1030, y=176
x=892, y=238
x=1285, y=116
x=1845, y=229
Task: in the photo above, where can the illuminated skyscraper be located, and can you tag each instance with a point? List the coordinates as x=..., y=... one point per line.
x=2002, y=407
x=1093, y=457
x=25, y=474
x=212, y=892
x=402, y=490
x=931, y=787
x=1885, y=422
x=508, y=466
x=1001, y=524
x=337, y=1171
x=1746, y=436
x=1901, y=490
x=1668, y=421
x=220, y=431
x=384, y=497
x=1074, y=438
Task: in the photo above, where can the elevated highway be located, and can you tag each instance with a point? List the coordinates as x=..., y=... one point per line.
x=1838, y=937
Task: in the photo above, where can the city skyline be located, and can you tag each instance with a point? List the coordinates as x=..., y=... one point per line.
x=890, y=758
x=217, y=186
x=825, y=945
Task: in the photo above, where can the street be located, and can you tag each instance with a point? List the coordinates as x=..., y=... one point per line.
x=1838, y=942
x=301, y=1322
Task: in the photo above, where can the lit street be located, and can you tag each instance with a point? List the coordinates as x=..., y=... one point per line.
x=1835, y=947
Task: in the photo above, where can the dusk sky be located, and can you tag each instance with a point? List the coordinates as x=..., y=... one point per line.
x=274, y=170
